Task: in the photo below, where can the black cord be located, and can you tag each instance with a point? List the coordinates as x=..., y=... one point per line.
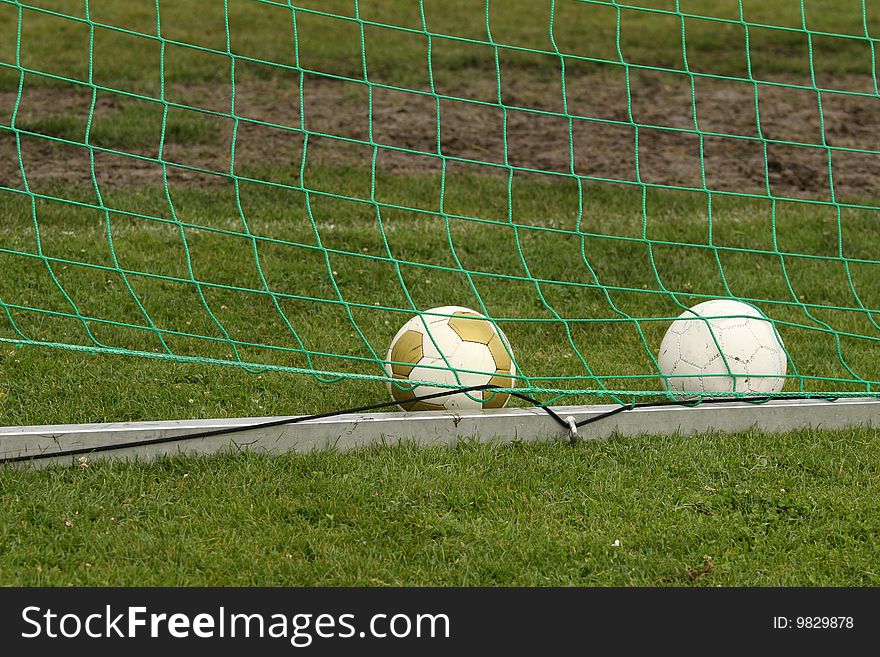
x=236, y=429
x=374, y=407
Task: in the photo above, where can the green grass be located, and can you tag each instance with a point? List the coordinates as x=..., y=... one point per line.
x=551, y=327
x=132, y=127
x=750, y=509
x=56, y=44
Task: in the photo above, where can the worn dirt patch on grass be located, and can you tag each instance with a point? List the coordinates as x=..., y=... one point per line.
x=642, y=133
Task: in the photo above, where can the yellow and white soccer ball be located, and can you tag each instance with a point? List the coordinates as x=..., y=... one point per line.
x=753, y=361
x=452, y=345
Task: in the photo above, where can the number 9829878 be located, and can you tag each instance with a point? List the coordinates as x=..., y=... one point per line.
x=823, y=622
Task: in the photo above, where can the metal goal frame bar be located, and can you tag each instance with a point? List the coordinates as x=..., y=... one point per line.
x=37, y=444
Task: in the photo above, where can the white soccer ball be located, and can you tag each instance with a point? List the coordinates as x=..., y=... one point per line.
x=452, y=345
x=753, y=356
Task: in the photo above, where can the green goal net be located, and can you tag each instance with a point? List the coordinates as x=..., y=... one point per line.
x=275, y=185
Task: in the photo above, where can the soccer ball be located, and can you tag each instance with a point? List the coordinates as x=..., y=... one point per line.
x=692, y=360
x=475, y=351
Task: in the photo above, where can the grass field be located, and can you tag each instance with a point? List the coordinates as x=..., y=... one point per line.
x=744, y=510
x=39, y=390
x=146, y=209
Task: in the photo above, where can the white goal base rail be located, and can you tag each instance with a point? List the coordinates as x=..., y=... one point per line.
x=345, y=432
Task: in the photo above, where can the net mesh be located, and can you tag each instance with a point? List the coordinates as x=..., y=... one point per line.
x=280, y=186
